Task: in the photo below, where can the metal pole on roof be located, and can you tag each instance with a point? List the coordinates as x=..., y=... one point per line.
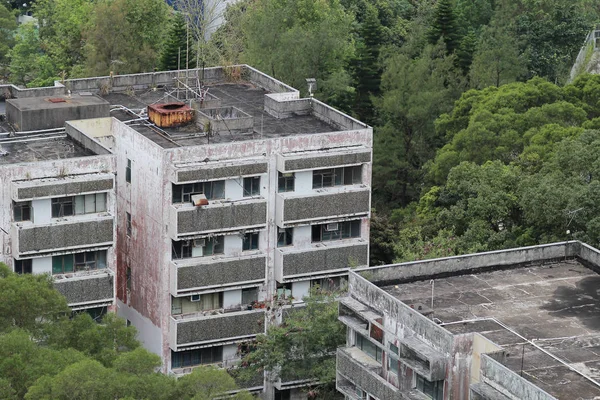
x=432, y=282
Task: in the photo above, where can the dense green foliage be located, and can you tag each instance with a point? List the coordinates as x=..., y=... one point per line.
x=45, y=354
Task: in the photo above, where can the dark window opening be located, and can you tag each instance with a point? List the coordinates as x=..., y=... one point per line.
x=369, y=348
x=23, y=266
x=286, y=182
x=128, y=224
x=250, y=241
x=62, y=207
x=212, y=190
x=22, y=211
x=128, y=274
x=190, y=358
x=285, y=237
x=336, y=231
x=90, y=260
x=434, y=390
x=128, y=171
x=337, y=176
x=198, y=247
x=252, y=186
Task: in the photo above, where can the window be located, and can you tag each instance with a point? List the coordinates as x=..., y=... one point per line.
x=252, y=186
x=23, y=266
x=128, y=274
x=212, y=190
x=90, y=260
x=128, y=224
x=369, y=347
x=62, y=207
x=250, y=241
x=435, y=389
x=392, y=362
x=285, y=237
x=328, y=284
x=249, y=295
x=22, y=211
x=337, y=176
x=79, y=262
x=336, y=231
x=189, y=358
x=196, y=303
x=76, y=205
x=62, y=264
x=128, y=171
x=286, y=182
x=198, y=247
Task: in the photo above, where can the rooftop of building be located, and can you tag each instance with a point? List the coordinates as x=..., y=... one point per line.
x=40, y=148
x=55, y=101
x=546, y=317
x=242, y=95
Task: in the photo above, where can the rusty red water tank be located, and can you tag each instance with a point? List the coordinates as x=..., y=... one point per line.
x=170, y=114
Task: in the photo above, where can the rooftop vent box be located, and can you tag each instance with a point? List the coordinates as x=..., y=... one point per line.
x=224, y=120
x=170, y=114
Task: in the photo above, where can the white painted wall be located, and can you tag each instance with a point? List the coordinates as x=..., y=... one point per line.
x=148, y=333
x=303, y=184
x=302, y=236
x=300, y=289
x=234, y=189
x=41, y=265
x=232, y=298
x=42, y=211
x=233, y=245
x=230, y=352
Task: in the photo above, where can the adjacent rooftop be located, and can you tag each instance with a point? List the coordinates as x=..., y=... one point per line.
x=546, y=317
x=52, y=147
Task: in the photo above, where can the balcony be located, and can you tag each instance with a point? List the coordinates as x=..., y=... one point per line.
x=64, y=234
x=218, y=216
x=323, y=159
x=203, y=272
x=341, y=201
x=362, y=371
x=323, y=257
x=189, y=330
x=92, y=287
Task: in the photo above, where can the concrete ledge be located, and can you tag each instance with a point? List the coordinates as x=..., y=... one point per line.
x=218, y=172
x=224, y=216
x=325, y=205
x=219, y=327
x=364, y=375
x=324, y=259
x=304, y=161
x=220, y=272
x=61, y=235
x=481, y=391
x=68, y=186
x=86, y=289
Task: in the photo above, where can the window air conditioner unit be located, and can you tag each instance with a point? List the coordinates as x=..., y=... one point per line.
x=287, y=174
x=280, y=230
x=195, y=297
x=199, y=200
x=199, y=242
x=332, y=227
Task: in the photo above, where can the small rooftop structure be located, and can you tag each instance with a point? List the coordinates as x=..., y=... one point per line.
x=54, y=147
x=48, y=112
x=170, y=114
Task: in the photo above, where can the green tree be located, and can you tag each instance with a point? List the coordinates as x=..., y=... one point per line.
x=178, y=47
x=303, y=346
x=414, y=93
x=498, y=59
x=8, y=24
x=125, y=36
x=445, y=26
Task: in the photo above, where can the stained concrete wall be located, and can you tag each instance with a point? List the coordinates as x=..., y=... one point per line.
x=470, y=263
x=66, y=235
x=509, y=383
x=221, y=217
x=308, y=161
x=326, y=205
x=220, y=273
x=220, y=172
x=68, y=186
x=324, y=259
x=364, y=378
x=86, y=289
x=219, y=327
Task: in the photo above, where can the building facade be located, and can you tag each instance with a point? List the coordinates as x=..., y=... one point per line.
x=230, y=192
x=503, y=325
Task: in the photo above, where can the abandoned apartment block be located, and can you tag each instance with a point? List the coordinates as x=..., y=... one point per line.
x=188, y=201
x=505, y=325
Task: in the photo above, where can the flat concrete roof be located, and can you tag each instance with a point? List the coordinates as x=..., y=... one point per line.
x=243, y=95
x=54, y=147
x=46, y=103
x=547, y=318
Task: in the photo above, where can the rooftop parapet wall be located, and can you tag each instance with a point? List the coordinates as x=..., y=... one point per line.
x=509, y=383
x=421, y=270
x=408, y=322
x=14, y=92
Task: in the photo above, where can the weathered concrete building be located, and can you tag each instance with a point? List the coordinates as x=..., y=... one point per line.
x=58, y=214
x=231, y=192
x=514, y=324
